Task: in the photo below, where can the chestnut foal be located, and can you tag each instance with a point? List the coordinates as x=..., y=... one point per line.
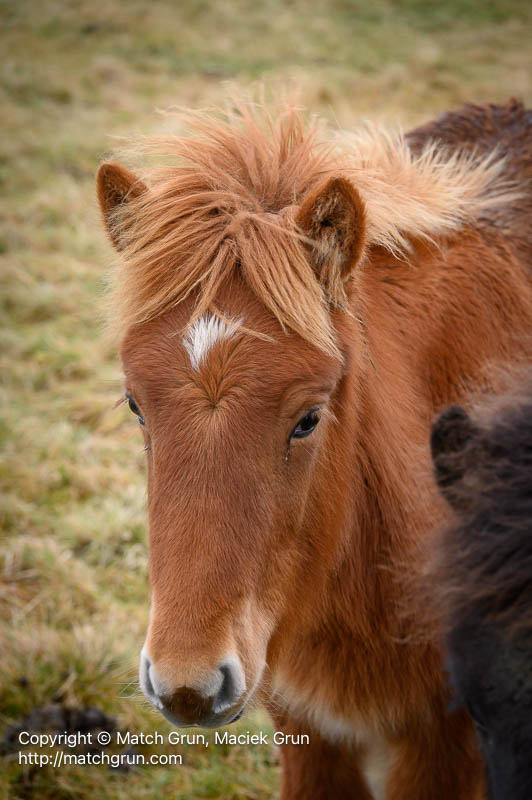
x=293, y=312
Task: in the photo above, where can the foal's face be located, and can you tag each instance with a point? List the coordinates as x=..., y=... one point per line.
x=234, y=427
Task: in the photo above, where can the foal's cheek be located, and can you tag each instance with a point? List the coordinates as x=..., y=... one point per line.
x=298, y=477
x=303, y=455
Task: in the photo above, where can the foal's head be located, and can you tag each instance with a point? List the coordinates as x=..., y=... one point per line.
x=234, y=268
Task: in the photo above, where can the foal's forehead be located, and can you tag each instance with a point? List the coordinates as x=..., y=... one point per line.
x=206, y=334
x=224, y=346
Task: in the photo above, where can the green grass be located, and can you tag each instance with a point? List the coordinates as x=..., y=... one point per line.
x=73, y=578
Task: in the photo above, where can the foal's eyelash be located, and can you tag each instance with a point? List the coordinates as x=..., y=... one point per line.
x=328, y=414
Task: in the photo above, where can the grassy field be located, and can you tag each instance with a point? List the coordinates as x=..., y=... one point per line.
x=73, y=577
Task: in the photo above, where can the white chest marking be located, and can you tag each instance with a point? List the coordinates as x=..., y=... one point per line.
x=376, y=753
x=206, y=332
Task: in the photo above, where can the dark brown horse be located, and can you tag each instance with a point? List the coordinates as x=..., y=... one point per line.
x=483, y=573
x=293, y=314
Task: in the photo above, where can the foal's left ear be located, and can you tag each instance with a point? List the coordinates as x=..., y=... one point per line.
x=116, y=185
x=333, y=216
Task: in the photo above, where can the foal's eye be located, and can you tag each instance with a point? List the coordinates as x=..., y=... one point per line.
x=134, y=408
x=306, y=424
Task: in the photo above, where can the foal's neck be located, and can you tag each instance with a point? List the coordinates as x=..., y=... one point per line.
x=432, y=331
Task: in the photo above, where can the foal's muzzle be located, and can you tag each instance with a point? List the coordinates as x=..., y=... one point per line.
x=219, y=700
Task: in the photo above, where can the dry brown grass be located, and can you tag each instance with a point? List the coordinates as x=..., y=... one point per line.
x=73, y=582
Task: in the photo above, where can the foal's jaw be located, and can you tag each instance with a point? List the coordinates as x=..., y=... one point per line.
x=215, y=699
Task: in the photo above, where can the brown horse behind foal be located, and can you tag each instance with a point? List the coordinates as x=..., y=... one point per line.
x=294, y=311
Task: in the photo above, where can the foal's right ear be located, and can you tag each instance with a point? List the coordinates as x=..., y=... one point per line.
x=115, y=185
x=453, y=435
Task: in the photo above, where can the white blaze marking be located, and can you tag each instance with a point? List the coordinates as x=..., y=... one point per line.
x=207, y=331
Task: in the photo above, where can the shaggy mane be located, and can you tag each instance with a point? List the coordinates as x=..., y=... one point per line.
x=229, y=199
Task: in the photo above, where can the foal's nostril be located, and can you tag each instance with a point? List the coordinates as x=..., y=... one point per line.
x=226, y=694
x=147, y=679
x=232, y=688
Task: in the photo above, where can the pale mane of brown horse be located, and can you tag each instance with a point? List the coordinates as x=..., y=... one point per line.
x=294, y=310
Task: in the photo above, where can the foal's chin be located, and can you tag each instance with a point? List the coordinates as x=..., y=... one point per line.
x=211, y=700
